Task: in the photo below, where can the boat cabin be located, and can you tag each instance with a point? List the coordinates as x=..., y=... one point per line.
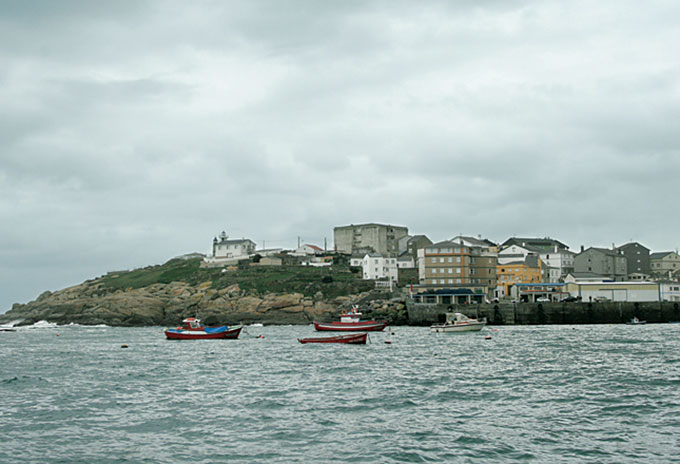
x=353, y=315
x=192, y=323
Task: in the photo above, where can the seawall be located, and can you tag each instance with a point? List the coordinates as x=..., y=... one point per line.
x=548, y=313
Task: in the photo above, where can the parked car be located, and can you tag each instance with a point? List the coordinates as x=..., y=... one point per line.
x=543, y=299
x=570, y=299
x=601, y=299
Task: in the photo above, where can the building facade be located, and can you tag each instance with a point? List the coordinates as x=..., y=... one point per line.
x=379, y=238
x=637, y=258
x=610, y=264
x=378, y=267
x=558, y=261
x=509, y=274
x=449, y=264
x=664, y=264
x=227, y=251
x=615, y=291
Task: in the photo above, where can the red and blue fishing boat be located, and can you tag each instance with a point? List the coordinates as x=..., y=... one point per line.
x=194, y=330
x=351, y=322
x=352, y=339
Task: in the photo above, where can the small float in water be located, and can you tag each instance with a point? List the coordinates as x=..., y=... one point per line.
x=194, y=330
x=636, y=321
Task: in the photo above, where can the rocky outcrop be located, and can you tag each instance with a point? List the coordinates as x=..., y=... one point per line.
x=168, y=304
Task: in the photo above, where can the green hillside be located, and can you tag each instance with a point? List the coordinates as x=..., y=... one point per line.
x=331, y=281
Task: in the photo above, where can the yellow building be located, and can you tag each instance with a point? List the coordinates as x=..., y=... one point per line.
x=528, y=271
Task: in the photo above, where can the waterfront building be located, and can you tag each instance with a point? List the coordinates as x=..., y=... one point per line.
x=609, y=264
x=615, y=291
x=378, y=267
x=524, y=271
x=557, y=259
x=225, y=251
x=664, y=264
x=670, y=291
x=637, y=258
x=450, y=265
x=377, y=238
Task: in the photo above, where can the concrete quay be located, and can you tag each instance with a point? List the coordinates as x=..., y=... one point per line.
x=548, y=313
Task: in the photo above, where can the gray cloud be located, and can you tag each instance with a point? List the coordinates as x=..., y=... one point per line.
x=135, y=131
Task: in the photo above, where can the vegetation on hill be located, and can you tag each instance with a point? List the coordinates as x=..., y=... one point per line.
x=330, y=281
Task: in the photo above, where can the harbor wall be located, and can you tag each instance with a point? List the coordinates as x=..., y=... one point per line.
x=548, y=313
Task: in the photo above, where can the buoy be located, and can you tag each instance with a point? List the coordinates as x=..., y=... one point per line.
x=260, y=336
x=388, y=342
x=123, y=346
x=488, y=337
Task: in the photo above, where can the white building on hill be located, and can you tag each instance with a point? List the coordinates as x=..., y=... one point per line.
x=225, y=251
x=376, y=267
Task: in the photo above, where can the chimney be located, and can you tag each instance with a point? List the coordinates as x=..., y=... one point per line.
x=613, y=246
x=581, y=248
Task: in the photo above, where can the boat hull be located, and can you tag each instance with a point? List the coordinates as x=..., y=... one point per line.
x=354, y=339
x=179, y=334
x=447, y=328
x=366, y=326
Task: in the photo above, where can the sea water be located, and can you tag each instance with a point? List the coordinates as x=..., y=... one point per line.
x=607, y=393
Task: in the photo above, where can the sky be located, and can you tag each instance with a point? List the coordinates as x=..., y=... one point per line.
x=135, y=131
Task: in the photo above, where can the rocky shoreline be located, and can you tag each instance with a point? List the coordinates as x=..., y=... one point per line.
x=91, y=303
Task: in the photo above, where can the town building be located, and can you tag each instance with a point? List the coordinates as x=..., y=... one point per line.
x=670, y=291
x=664, y=264
x=226, y=251
x=307, y=250
x=522, y=271
x=610, y=264
x=378, y=238
x=378, y=267
x=614, y=291
x=637, y=258
x=451, y=265
x=557, y=259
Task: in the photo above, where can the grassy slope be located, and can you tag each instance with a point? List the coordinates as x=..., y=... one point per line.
x=277, y=279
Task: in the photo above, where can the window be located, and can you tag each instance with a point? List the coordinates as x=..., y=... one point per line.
x=458, y=259
x=457, y=250
x=450, y=271
x=457, y=281
x=450, y=259
x=457, y=270
x=441, y=260
x=450, y=281
x=434, y=271
x=434, y=260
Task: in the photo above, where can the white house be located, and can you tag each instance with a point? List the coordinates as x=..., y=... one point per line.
x=225, y=251
x=375, y=266
x=559, y=261
x=307, y=250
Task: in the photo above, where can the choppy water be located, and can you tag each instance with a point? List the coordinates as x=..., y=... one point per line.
x=534, y=394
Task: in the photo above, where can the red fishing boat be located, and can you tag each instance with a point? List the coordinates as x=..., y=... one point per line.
x=351, y=322
x=353, y=339
x=194, y=330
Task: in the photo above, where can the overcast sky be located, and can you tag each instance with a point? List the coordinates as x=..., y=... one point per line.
x=135, y=131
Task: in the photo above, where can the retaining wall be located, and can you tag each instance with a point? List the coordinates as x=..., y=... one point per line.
x=548, y=313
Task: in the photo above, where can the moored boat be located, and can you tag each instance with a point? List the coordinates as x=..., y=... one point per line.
x=351, y=322
x=352, y=339
x=194, y=330
x=636, y=321
x=459, y=322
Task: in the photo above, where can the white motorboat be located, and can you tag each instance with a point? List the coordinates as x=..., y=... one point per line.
x=459, y=322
